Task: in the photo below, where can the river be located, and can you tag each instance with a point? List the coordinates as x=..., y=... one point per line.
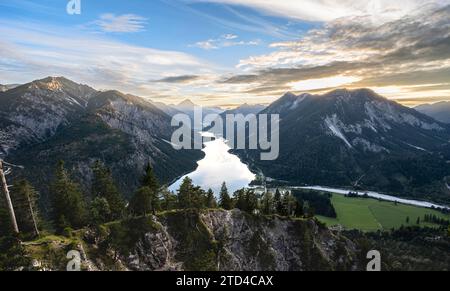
x=376, y=195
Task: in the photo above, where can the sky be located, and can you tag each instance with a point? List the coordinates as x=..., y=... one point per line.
x=230, y=52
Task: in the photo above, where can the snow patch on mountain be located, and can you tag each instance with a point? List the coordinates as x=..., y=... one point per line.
x=383, y=113
x=334, y=125
x=418, y=148
x=368, y=146
x=297, y=102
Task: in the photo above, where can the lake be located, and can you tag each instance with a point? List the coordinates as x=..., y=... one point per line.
x=218, y=166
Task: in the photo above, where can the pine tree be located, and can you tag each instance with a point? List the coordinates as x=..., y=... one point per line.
x=99, y=211
x=168, y=200
x=267, y=204
x=309, y=210
x=240, y=200
x=25, y=205
x=278, y=203
x=211, y=199
x=251, y=201
x=288, y=204
x=299, y=208
x=225, y=200
x=5, y=221
x=103, y=186
x=144, y=201
x=149, y=180
x=185, y=194
x=68, y=206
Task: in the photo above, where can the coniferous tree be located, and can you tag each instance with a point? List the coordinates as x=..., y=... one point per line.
x=267, y=204
x=225, y=200
x=185, y=194
x=68, y=205
x=99, y=211
x=144, y=201
x=278, y=202
x=5, y=223
x=190, y=196
x=25, y=206
x=309, y=210
x=150, y=180
x=288, y=204
x=199, y=198
x=103, y=186
x=168, y=200
x=299, y=208
x=240, y=200
x=251, y=201
x=210, y=199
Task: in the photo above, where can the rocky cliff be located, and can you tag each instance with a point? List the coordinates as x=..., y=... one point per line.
x=201, y=241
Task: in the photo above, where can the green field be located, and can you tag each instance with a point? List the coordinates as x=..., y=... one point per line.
x=371, y=214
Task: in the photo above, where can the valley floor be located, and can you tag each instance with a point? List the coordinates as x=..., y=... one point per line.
x=371, y=215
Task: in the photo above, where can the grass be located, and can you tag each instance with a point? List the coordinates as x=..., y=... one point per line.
x=372, y=215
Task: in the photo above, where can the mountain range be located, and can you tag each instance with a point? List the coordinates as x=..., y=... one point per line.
x=358, y=139
x=245, y=109
x=439, y=111
x=186, y=107
x=56, y=119
x=343, y=138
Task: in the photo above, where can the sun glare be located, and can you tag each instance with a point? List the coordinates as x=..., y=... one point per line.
x=331, y=82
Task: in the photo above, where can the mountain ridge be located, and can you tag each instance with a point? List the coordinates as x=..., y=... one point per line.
x=439, y=111
x=57, y=119
x=345, y=136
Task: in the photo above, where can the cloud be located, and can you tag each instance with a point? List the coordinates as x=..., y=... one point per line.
x=226, y=40
x=121, y=23
x=31, y=51
x=230, y=36
x=179, y=79
x=409, y=51
x=206, y=45
x=406, y=58
x=326, y=10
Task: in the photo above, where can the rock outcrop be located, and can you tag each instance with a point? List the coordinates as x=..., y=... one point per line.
x=216, y=240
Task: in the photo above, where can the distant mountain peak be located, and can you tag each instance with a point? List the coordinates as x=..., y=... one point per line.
x=439, y=111
x=187, y=103
x=289, y=95
x=4, y=88
x=49, y=83
x=61, y=84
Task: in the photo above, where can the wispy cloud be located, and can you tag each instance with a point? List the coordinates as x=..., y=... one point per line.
x=184, y=79
x=31, y=51
x=402, y=53
x=121, y=23
x=226, y=40
x=325, y=10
